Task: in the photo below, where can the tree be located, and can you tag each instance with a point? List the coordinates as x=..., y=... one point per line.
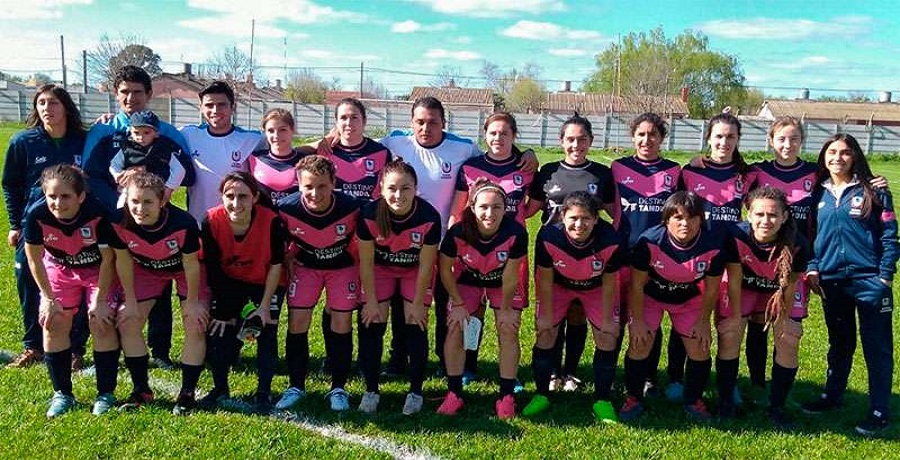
x=517, y=89
x=41, y=79
x=650, y=64
x=373, y=88
x=229, y=64
x=448, y=76
x=525, y=95
x=111, y=55
x=305, y=86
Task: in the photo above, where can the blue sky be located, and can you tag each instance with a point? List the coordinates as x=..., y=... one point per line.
x=846, y=45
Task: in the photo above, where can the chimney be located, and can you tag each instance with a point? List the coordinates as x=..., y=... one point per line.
x=884, y=97
x=452, y=83
x=684, y=94
x=278, y=83
x=187, y=69
x=567, y=86
x=804, y=94
x=250, y=79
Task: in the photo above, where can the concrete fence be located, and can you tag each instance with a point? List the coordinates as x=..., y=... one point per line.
x=610, y=130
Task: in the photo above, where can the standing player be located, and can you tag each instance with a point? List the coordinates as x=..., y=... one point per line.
x=243, y=249
x=480, y=257
x=764, y=266
x=856, y=254
x=66, y=241
x=273, y=167
x=551, y=186
x=156, y=244
x=53, y=135
x=676, y=267
x=398, y=238
x=577, y=259
x=499, y=164
x=322, y=224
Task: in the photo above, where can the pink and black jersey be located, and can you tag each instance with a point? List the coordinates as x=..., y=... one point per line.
x=720, y=186
x=75, y=243
x=505, y=173
x=481, y=264
x=276, y=175
x=323, y=240
x=420, y=227
x=676, y=272
x=555, y=181
x=797, y=181
x=579, y=266
x=759, y=262
x=642, y=187
x=161, y=245
x=358, y=168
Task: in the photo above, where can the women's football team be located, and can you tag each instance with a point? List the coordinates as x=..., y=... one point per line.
x=350, y=225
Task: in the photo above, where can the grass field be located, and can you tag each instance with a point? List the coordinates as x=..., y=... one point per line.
x=567, y=431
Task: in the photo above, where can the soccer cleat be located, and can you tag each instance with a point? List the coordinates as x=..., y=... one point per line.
x=873, y=425
x=759, y=396
x=369, y=402
x=290, y=397
x=339, y=400
x=451, y=404
x=136, y=400
x=518, y=387
x=211, y=400
x=556, y=383
x=27, y=358
x=604, y=412
x=230, y=404
x=413, y=404
x=675, y=392
x=650, y=389
x=537, y=405
x=60, y=403
x=468, y=377
x=163, y=362
x=393, y=370
x=739, y=401
x=262, y=404
x=631, y=409
x=697, y=412
x=727, y=409
x=572, y=384
x=77, y=362
x=506, y=407
x=184, y=404
x=780, y=419
x=819, y=406
x=103, y=404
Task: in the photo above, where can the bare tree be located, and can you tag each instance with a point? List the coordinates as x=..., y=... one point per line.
x=229, y=64
x=372, y=88
x=448, y=76
x=104, y=61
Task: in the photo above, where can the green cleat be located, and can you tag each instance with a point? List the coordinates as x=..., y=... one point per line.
x=537, y=405
x=103, y=404
x=60, y=403
x=604, y=412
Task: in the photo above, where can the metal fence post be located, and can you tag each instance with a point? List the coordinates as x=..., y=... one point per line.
x=607, y=124
x=702, y=135
x=670, y=142
x=544, y=122
x=21, y=104
x=171, y=111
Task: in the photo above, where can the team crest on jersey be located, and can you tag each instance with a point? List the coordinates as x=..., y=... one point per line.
x=597, y=265
x=340, y=229
x=446, y=168
x=172, y=245
x=807, y=185
x=351, y=286
x=517, y=179
x=87, y=234
x=701, y=266
x=502, y=256
x=797, y=296
x=369, y=165
x=667, y=180
x=856, y=206
x=416, y=237
x=592, y=188
x=739, y=186
x=236, y=155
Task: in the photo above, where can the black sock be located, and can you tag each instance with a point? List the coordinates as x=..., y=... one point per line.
x=782, y=381
x=635, y=376
x=755, y=351
x=558, y=348
x=296, y=351
x=190, y=374
x=677, y=357
x=219, y=355
x=454, y=384
x=507, y=386
x=604, y=373
x=417, y=346
x=106, y=364
x=266, y=358
x=371, y=348
x=137, y=367
x=696, y=376
x=726, y=379
x=342, y=344
x=328, y=338
x=542, y=366
x=575, y=338
x=59, y=366
x=653, y=358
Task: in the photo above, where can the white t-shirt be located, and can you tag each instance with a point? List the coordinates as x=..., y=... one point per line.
x=436, y=168
x=214, y=156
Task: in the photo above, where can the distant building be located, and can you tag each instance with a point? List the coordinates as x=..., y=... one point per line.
x=455, y=97
x=186, y=85
x=14, y=86
x=849, y=113
x=567, y=102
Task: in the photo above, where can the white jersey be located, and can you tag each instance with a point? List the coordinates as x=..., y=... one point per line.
x=436, y=167
x=214, y=156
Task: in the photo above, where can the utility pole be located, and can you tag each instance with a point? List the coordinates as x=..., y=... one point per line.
x=62, y=49
x=84, y=71
x=360, y=80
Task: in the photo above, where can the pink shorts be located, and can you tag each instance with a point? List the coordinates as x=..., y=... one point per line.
x=591, y=301
x=388, y=280
x=473, y=296
x=683, y=316
x=753, y=302
x=150, y=284
x=71, y=285
x=341, y=288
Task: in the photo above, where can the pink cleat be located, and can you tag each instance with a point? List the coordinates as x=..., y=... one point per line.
x=451, y=405
x=506, y=407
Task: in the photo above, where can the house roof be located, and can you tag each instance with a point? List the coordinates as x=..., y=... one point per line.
x=166, y=82
x=333, y=97
x=455, y=95
x=594, y=103
x=839, y=111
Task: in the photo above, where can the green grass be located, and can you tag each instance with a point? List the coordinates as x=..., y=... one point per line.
x=568, y=430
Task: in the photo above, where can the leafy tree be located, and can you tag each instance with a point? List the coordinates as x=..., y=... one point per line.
x=651, y=64
x=111, y=55
x=306, y=86
x=525, y=95
x=41, y=79
x=519, y=90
